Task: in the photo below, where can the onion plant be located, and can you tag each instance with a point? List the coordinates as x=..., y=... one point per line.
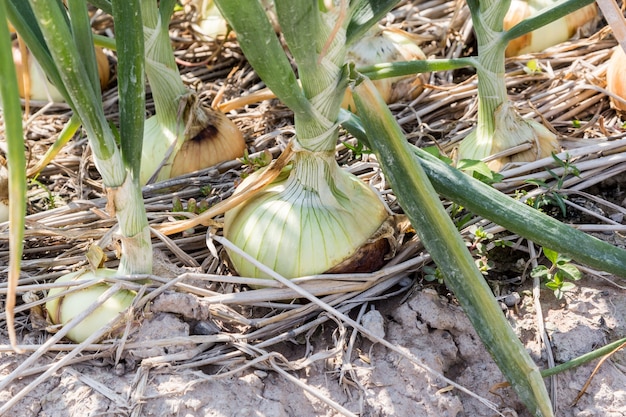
x=185, y=135
x=61, y=40
x=501, y=133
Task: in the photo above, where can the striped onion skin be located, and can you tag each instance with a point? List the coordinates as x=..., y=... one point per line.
x=314, y=216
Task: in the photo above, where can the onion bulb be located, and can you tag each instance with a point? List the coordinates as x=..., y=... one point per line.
x=34, y=85
x=552, y=34
x=63, y=309
x=311, y=218
x=382, y=45
x=170, y=150
x=615, y=79
x=208, y=19
x=511, y=130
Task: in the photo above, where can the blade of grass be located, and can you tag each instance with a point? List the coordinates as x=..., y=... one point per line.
x=12, y=113
x=66, y=134
x=583, y=359
x=421, y=203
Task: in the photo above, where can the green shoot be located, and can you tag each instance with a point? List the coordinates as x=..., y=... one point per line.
x=254, y=163
x=357, y=150
x=480, y=170
x=432, y=274
x=551, y=196
x=559, y=275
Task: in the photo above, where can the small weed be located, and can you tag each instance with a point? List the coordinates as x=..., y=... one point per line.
x=460, y=217
x=205, y=190
x=252, y=164
x=193, y=206
x=358, y=150
x=551, y=196
x=480, y=171
x=558, y=276
x=432, y=274
x=479, y=248
x=50, y=199
x=477, y=169
x=434, y=151
x=532, y=67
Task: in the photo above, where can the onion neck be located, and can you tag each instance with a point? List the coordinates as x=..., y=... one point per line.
x=161, y=69
x=490, y=63
x=136, y=251
x=324, y=85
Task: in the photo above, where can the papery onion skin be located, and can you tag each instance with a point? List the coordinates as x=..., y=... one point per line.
x=209, y=139
x=307, y=221
x=217, y=139
x=63, y=309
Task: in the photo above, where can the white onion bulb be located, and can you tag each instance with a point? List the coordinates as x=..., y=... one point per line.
x=63, y=309
x=311, y=218
x=35, y=82
x=546, y=36
x=381, y=45
x=511, y=130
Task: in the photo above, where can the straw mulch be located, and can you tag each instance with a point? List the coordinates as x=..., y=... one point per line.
x=234, y=327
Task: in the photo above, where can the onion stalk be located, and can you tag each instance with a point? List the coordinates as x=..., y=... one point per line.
x=442, y=240
x=4, y=191
x=184, y=135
